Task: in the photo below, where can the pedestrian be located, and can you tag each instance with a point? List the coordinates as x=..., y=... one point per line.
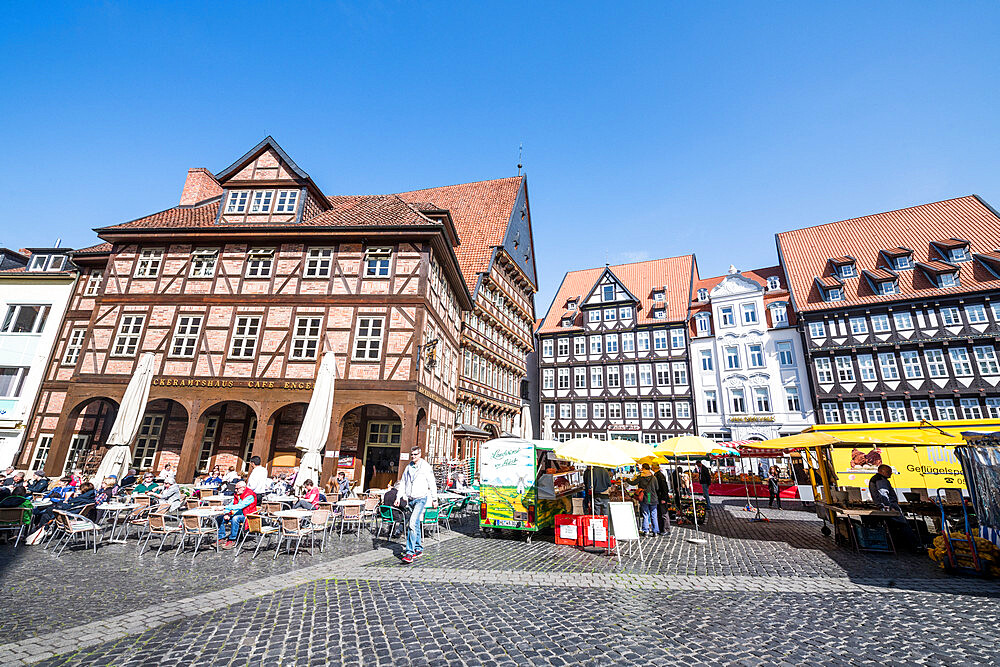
x=420, y=490
x=257, y=481
x=773, y=489
x=168, y=474
x=705, y=479
x=601, y=483
x=648, y=501
x=662, y=496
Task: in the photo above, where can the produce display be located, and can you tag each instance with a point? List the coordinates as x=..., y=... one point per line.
x=989, y=555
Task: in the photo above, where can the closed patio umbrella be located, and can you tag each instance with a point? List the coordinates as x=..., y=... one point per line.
x=525, y=429
x=119, y=455
x=316, y=422
x=547, y=429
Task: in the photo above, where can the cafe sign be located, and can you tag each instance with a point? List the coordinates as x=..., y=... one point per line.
x=250, y=383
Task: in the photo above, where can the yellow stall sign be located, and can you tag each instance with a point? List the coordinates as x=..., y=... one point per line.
x=913, y=467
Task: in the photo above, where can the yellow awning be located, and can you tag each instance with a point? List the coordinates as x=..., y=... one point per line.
x=858, y=437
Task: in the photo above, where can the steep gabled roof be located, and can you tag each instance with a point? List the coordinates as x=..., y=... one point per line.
x=250, y=155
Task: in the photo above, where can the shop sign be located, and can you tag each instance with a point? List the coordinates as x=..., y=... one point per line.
x=252, y=383
x=920, y=467
x=624, y=427
x=747, y=420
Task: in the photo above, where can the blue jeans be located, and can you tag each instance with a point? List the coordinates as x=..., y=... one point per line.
x=650, y=522
x=704, y=492
x=234, y=530
x=414, y=540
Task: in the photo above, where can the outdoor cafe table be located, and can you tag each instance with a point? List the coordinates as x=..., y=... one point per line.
x=223, y=498
x=276, y=498
x=293, y=514
x=448, y=495
x=117, y=509
x=350, y=502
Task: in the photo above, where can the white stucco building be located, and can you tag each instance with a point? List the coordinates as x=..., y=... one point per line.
x=748, y=367
x=35, y=286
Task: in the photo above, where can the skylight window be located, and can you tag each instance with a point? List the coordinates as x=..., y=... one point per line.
x=47, y=263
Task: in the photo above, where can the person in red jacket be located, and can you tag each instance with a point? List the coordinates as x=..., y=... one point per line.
x=244, y=502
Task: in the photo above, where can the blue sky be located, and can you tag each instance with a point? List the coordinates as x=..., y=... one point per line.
x=649, y=130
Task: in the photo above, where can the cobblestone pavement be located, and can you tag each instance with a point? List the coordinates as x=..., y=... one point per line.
x=775, y=592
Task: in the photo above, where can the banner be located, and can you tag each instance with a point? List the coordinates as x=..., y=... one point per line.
x=913, y=467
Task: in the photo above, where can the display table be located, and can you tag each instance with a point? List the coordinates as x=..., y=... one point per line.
x=756, y=489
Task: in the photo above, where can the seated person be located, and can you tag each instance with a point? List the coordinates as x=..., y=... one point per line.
x=244, y=502
x=130, y=478
x=17, y=479
x=7, y=478
x=343, y=485
x=108, y=490
x=85, y=496
x=63, y=490
x=39, y=483
x=169, y=493
x=147, y=485
x=14, y=497
x=215, y=478
x=280, y=485
x=76, y=477
x=231, y=475
x=310, y=497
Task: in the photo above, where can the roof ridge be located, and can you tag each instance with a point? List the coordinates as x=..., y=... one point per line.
x=624, y=264
x=455, y=185
x=872, y=215
x=175, y=207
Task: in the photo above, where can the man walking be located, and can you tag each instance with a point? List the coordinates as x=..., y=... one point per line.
x=705, y=479
x=257, y=481
x=420, y=489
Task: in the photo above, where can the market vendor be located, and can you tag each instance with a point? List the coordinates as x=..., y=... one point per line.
x=884, y=497
x=601, y=484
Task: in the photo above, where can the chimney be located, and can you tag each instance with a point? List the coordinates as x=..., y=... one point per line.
x=199, y=186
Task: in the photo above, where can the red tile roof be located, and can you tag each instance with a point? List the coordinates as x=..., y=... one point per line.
x=639, y=278
x=805, y=252
x=95, y=249
x=937, y=266
x=830, y=281
x=757, y=275
x=880, y=275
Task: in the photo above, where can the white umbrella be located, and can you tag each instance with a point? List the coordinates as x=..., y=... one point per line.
x=316, y=423
x=119, y=455
x=526, y=430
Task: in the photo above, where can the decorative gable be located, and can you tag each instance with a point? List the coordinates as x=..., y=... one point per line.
x=608, y=289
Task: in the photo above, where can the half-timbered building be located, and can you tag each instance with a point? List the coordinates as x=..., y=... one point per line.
x=614, y=352
x=900, y=312
x=238, y=292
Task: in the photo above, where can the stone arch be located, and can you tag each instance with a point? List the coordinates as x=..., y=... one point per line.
x=87, y=426
x=226, y=435
x=160, y=437
x=370, y=439
x=283, y=425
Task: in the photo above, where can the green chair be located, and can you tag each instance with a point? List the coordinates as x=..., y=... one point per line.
x=432, y=517
x=389, y=516
x=445, y=513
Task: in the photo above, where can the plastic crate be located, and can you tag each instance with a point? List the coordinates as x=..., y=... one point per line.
x=594, y=532
x=567, y=529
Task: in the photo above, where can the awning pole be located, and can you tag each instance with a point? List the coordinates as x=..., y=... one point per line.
x=812, y=473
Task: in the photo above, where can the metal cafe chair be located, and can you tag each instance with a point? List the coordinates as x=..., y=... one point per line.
x=291, y=529
x=255, y=526
x=157, y=526
x=390, y=516
x=191, y=527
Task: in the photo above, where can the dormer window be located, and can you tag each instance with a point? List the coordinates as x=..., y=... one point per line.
x=960, y=254
x=703, y=324
x=834, y=294
x=779, y=314
x=773, y=283
x=902, y=262
x=567, y=321
x=571, y=304
x=47, y=263
x=947, y=279
x=887, y=287
x=287, y=200
x=702, y=294
x=659, y=314
x=262, y=201
x=846, y=271
x=237, y=202
x=659, y=296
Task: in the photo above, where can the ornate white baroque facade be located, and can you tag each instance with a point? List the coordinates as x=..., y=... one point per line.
x=748, y=368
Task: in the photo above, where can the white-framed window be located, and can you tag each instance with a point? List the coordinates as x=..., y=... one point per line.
x=631, y=411
x=773, y=283
x=834, y=294
x=73, y=347
x=77, y=446
x=703, y=324
x=94, y=281
x=866, y=365
x=547, y=347
x=659, y=339
x=614, y=410
x=596, y=377
x=755, y=355
x=921, y=409
x=846, y=271
x=25, y=318
x=887, y=287
x=817, y=330
x=318, y=262
x=594, y=315
x=595, y=344
x=970, y=408
x=562, y=347
x=650, y=438
x=739, y=401
x=663, y=375
x=702, y=294
x=287, y=201
x=727, y=316
x=608, y=292
x=579, y=346
x=732, y=353
x=887, y=362
x=647, y=410
x=897, y=411
x=629, y=373
x=237, y=202
x=377, y=261
x=581, y=411
x=625, y=313
x=659, y=296
x=260, y=262
x=41, y=452
x=245, y=337
x=779, y=314
x=912, y=369
x=664, y=410
x=677, y=339
x=792, y=400
x=852, y=412
x=993, y=408
x=610, y=314
x=683, y=409
x=261, y=202
x=986, y=359
x=995, y=307
x=845, y=370
x=548, y=378
x=762, y=399
x=960, y=362
x=680, y=373
x=611, y=343
x=628, y=342
x=564, y=378
x=945, y=408
x=147, y=442
x=976, y=313
x=950, y=316
x=12, y=380
x=207, y=443
x=880, y=323
x=902, y=263
x=127, y=340
x=599, y=410
x=936, y=367
x=873, y=412
x=824, y=370
x=185, y=340
x=711, y=401
x=960, y=254
x=203, y=263
x=859, y=325
x=642, y=341
x=831, y=413
x=786, y=353
x=947, y=279
x=47, y=263
x=706, y=360
x=148, y=264
x=580, y=377
x=305, y=338
x=749, y=313
x=614, y=377
x=645, y=375
x=903, y=320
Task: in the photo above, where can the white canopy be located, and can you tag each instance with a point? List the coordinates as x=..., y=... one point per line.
x=316, y=423
x=119, y=455
x=526, y=431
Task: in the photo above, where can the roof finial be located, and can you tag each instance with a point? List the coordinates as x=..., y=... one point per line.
x=733, y=269
x=520, y=150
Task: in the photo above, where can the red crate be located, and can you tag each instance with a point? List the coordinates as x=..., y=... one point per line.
x=568, y=529
x=593, y=529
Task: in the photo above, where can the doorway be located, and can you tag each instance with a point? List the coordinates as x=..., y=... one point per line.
x=382, y=441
